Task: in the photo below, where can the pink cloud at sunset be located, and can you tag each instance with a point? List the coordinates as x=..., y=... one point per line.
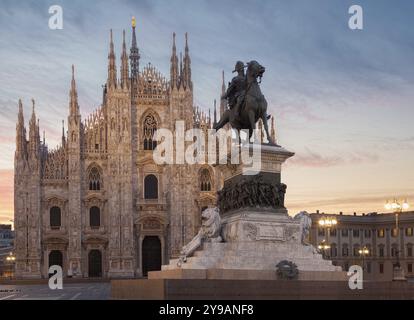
x=6, y=196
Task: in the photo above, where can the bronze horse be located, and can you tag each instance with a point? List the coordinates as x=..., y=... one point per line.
x=254, y=106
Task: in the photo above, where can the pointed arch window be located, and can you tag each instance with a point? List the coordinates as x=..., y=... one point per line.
x=95, y=183
x=150, y=127
x=205, y=180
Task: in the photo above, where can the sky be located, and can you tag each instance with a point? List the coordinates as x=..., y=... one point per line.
x=342, y=98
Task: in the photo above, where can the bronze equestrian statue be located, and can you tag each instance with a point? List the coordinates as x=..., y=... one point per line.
x=237, y=88
x=246, y=101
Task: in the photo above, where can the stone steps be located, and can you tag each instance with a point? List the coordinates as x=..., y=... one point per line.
x=254, y=255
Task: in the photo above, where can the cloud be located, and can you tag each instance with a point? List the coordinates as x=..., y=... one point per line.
x=6, y=194
x=310, y=158
x=297, y=110
x=364, y=203
x=323, y=82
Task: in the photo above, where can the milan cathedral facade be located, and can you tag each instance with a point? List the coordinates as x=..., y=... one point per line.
x=98, y=205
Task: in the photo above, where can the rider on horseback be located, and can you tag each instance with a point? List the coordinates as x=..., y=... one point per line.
x=237, y=88
x=247, y=103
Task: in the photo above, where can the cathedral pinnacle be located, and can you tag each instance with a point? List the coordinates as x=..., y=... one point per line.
x=33, y=112
x=111, y=64
x=73, y=83
x=73, y=108
x=181, y=69
x=124, y=64
x=63, y=133
x=134, y=53
x=222, y=101
x=215, y=113
x=187, y=65
x=174, y=65
x=273, y=130
x=20, y=134
x=34, y=138
x=21, y=112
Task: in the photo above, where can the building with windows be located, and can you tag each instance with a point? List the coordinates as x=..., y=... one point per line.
x=6, y=235
x=98, y=205
x=6, y=249
x=375, y=232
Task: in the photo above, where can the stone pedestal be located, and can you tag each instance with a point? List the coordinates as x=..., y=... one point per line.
x=254, y=240
x=256, y=230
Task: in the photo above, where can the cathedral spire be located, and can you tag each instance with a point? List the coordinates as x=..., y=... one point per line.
x=63, y=133
x=111, y=64
x=181, y=70
x=134, y=53
x=38, y=129
x=187, y=65
x=33, y=118
x=215, y=113
x=34, y=139
x=20, y=133
x=124, y=65
x=222, y=101
x=174, y=65
x=74, y=107
x=273, y=130
x=20, y=115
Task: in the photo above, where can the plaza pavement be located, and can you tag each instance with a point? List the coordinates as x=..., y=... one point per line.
x=70, y=291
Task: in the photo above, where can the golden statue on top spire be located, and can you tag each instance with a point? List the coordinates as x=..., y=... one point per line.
x=134, y=22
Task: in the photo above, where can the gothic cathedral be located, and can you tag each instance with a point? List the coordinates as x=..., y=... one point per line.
x=98, y=205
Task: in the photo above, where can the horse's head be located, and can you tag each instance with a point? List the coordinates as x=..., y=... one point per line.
x=255, y=69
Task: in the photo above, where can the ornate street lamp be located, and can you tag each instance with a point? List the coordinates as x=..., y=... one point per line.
x=363, y=253
x=397, y=206
x=326, y=223
x=324, y=247
x=11, y=258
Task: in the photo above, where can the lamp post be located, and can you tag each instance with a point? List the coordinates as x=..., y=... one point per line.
x=324, y=247
x=11, y=259
x=326, y=223
x=398, y=206
x=363, y=253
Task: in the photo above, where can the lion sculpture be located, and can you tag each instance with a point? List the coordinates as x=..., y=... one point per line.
x=209, y=232
x=305, y=224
